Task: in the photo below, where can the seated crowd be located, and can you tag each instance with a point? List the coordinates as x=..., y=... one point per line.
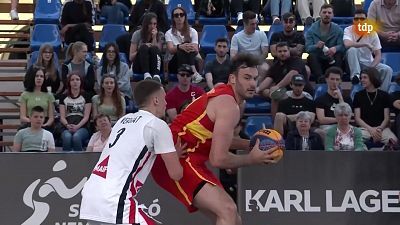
x=91, y=97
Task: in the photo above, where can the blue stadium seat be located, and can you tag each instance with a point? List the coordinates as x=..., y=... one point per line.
x=366, y=5
x=392, y=59
x=35, y=55
x=110, y=33
x=255, y=123
x=47, y=12
x=103, y=20
x=257, y=104
x=320, y=90
x=393, y=87
x=213, y=20
x=186, y=4
x=343, y=20
x=209, y=34
x=354, y=89
x=45, y=33
x=275, y=28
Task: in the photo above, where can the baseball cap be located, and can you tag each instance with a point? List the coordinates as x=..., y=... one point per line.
x=186, y=68
x=298, y=79
x=288, y=15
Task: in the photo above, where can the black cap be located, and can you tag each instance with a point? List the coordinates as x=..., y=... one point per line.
x=288, y=15
x=186, y=68
x=298, y=79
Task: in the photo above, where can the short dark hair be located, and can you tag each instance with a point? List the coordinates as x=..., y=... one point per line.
x=335, y=70
x=38, y=109
x=221, y=40
x=144, y=89
x=360, y=11
x=326, y=6
x=373, y=75
x=243, y=60
x=248, y=15
x=282, y=44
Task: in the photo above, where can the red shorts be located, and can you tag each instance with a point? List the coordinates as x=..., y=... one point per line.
x=195, y=173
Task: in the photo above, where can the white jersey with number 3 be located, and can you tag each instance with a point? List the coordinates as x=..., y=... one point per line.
x=124, y=164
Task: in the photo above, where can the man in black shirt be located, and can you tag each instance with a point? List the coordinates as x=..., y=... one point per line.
x=297, y=101
x=294, y=39
x=217, y=71
x=372, y=109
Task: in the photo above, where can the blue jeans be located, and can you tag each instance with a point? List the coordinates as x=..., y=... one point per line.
x=115, y=14
x=74, y=141
x=285, y=7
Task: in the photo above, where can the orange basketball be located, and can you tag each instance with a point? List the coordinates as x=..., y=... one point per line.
x=269, y=138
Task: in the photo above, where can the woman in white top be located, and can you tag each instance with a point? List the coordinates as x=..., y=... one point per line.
x=182, y=44
x=99, y=139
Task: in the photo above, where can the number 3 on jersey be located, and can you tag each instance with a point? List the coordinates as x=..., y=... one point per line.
x=119, y=133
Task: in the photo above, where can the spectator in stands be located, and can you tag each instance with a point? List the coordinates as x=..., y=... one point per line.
x=280, y=74
x=303, y=7
x=112, y=65
x=13, y=11
x=79, y=64
x=45, y=60
x=297, y=101
x=237, y=8
x=372, y=108
x=396, y=108
x=184, y=92
x=34, y=138
x=140, y=10
x=386, y=13
x=343, y=136
x=92, y=7
x=114, y=11
x=212, y=8
x=217, y=71
x=36, y=94
x=76, y=22
x=75, y=109
x=182, y=44
x=365, y=51
x=343, y=8
x=324, y=43
x=302, y=137
x=109, y=102
x=251, y=40
x=326, y=103
x=99, y=139
x=294, y=39
x=276, y=11
x=146, y=47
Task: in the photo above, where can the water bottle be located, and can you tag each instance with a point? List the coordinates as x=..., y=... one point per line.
x=304, y=145
x=331, y=60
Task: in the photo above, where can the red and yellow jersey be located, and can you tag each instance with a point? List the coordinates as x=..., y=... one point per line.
x=193, y=125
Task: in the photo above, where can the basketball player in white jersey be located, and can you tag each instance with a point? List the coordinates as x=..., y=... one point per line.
x=108, y=197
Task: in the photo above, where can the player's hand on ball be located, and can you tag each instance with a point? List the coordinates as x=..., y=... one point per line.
x=258, y=156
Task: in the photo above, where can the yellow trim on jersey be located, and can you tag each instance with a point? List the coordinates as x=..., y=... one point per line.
x=182, y=192
x=197, y=173
x=198, y=130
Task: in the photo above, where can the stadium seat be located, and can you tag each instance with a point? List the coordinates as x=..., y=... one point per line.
x=257, y=104
x=320, y=90
x=255, y=123
x=343, y=20
x=213, y=20
x=110, y=33
x=392, y=59
x=103, y=20
x=209, y=34
x=45, y=33
x=275, y=28
x=354, y=89
x=34, y=56
x=186, y=4
x=393, y=87
x=47, y=12
x=366, y=5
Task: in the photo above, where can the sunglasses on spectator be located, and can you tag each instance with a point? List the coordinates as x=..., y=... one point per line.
x=177, y=15
x=185, y=74
x=298, y=85
x=359, y=18
x=289, y=20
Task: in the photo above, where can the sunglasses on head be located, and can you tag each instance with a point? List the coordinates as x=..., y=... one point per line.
x=177, y=15
x=359, y=18
x=185, y=74
x=289, y=20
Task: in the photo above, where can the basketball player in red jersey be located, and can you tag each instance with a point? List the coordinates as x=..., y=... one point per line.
x=207, y=126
